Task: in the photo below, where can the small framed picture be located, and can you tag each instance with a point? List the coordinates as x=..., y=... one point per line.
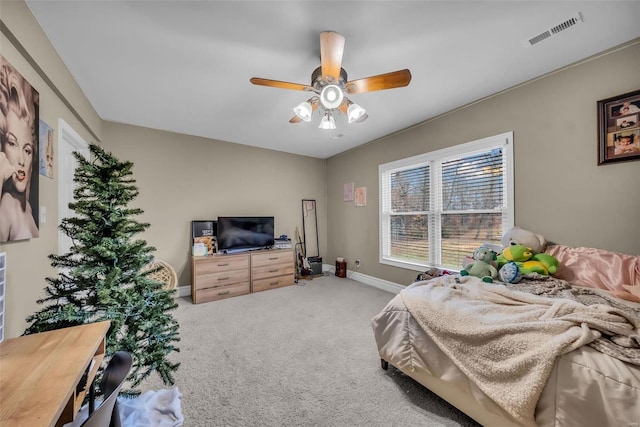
x=348, y=192
x=361, y=196
x=619, y=128
x=46, y=150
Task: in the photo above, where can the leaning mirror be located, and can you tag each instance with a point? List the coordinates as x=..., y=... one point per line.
x=310, y=228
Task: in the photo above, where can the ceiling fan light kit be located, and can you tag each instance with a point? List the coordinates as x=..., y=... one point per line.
x=327, y=122
x=303, y=111
x=355, y=113
x=329, y=83
x=331, y=97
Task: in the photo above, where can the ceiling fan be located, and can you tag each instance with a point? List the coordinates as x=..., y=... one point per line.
x=330, y=85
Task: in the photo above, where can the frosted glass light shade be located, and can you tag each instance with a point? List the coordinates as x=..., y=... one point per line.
x=331, y=97
x=355, y=112
x=303, y=111
x=327, y=122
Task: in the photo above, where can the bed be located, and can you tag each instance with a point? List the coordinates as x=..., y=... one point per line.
x=548, y=351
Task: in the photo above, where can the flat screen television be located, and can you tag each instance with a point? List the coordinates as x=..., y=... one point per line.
x=245, y=233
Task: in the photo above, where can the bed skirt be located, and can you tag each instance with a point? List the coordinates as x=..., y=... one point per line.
x=585, y=388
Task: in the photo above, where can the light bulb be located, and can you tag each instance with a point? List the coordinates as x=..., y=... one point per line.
x=331, y=97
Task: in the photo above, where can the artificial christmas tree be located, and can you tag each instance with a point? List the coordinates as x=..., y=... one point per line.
x=103, y=276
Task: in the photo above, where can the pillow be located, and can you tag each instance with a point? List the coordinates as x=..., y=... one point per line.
x=597, y=268
x=634, y=290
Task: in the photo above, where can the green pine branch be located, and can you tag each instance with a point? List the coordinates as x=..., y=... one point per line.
x=103, y=276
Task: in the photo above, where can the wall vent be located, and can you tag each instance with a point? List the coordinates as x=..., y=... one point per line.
x=574, y=20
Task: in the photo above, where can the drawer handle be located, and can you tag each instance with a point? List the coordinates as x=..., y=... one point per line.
x=223, y=278
x=273, y=258
x=275, y=270
x=274, y=283
x=223, y=293
x=223, y=265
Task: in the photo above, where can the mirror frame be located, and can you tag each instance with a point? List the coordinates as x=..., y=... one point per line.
x=311, y=223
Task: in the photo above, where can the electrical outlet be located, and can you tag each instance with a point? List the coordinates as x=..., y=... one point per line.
x=357, y=263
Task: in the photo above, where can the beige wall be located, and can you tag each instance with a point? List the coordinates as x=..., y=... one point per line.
x=559, y=189
x=27, y=262
x=182, y=178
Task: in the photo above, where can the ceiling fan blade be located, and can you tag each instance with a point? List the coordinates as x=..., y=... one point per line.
x=314, y=106
x=279, y=84
x=391, y=80
x=344, y=107
x=331, y=50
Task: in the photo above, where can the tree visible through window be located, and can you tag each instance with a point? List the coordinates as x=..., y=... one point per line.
x=438, y=207
x=410, y=190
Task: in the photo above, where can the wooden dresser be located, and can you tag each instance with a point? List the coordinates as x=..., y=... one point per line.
x=272, y=269
x=224, y=276
x=219, y=276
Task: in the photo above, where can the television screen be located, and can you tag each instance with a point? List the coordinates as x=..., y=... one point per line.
x=245, y=233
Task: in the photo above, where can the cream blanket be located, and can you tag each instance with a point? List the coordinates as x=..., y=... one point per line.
x=505, y=341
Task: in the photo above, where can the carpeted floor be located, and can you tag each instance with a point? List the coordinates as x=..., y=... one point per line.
x=303, y=355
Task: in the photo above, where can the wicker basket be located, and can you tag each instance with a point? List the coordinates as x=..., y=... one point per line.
x=166, y=274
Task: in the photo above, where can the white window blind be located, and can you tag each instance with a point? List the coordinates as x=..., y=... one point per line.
x=436, y=208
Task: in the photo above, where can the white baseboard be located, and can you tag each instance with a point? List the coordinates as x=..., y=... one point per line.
x=385, y=285
x=183, y=291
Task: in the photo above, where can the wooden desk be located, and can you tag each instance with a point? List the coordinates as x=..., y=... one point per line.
x=39, y=374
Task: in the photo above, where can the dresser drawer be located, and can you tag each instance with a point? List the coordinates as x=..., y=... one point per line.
x=221, y=278
x=221, y=263
x=258, y=273
x=270, y=258
x=213, y=294
x=272, y=283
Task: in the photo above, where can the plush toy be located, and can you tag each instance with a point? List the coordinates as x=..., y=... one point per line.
x=514, y=253
x=520, y=236
x=482, y=265
x=549, y=261
x=527, y=261
x=510, y=273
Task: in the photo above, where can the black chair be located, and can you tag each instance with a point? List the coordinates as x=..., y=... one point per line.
x=107, y=414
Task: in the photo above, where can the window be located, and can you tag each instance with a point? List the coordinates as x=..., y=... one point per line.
x=436, y=208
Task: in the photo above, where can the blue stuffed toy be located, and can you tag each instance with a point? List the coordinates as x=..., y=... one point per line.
x=510, y=273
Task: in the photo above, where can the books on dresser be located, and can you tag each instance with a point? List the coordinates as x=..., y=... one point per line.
x=203, y=237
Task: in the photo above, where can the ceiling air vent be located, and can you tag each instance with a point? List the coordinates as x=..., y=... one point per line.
x=539, y=38
x=574, y=20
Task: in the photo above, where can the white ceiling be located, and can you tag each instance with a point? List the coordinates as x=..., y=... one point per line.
x=184, y=66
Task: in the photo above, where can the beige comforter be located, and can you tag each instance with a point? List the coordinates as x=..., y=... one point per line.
x=495, y=335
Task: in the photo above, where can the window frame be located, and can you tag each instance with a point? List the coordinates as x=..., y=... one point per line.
x=434, y=160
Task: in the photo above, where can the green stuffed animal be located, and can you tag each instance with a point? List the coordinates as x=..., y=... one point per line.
x=527, y=262
x=549, y=261
x=515, y=253
x=481, y=265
